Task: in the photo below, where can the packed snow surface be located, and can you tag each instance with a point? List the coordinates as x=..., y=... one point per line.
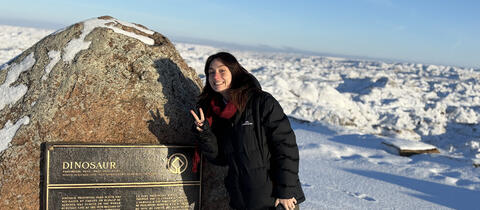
x=343, y=109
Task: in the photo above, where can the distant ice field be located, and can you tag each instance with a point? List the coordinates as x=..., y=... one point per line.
x=430, y=103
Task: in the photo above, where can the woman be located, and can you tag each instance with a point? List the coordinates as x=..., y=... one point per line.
x=247, y=130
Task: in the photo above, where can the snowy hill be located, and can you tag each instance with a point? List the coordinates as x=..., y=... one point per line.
x=343, y=109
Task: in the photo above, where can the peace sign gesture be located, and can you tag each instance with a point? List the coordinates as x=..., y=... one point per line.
x=198, y=121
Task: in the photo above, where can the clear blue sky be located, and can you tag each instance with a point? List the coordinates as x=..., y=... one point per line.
x=426, y=31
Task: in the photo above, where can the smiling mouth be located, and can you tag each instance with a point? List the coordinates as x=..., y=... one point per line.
x=218, y=83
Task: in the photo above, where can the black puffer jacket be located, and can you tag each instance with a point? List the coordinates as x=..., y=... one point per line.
x=260, y=149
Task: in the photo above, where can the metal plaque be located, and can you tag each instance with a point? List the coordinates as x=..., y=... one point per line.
x=140, y=177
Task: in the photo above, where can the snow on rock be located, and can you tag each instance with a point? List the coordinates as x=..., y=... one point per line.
x=76, y=45
x=9, y=130
x=136, y=27
x=9, y=94
x=142, y=38
x=54, y=58
x=407, y=148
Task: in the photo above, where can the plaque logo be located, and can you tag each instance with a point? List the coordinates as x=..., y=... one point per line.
x=177, y=163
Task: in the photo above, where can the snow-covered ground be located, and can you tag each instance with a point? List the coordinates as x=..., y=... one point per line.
x=343, y=109
x=434, y=104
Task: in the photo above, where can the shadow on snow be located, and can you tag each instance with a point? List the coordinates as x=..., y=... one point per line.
x=449, y=196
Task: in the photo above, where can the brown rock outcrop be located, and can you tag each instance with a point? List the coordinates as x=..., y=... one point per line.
x=98, y=81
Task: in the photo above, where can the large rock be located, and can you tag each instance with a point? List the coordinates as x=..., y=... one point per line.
x=98, y=81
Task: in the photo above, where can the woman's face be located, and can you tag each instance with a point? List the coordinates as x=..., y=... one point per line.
x=219, y=76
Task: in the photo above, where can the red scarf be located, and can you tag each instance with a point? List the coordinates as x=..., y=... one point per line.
x=227, y=112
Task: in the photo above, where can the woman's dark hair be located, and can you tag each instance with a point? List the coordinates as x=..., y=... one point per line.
x=242, y=85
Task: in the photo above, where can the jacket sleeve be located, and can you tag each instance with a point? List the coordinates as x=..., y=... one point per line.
x=283, y=148
x=209, y=145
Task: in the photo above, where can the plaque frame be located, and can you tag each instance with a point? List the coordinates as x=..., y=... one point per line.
x=48, y=186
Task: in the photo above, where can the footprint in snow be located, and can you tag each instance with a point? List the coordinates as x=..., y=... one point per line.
x=360, y=196
x=376, y=156
x=454, y=174
x=352, y=157
x=465, y=183
x=306, y=185
x=384, y=163
x=437, y=177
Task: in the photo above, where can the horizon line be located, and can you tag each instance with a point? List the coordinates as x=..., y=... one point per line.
x=238, y=46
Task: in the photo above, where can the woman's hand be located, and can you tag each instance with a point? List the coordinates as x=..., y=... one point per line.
x=288, y=204
x=198, y=121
